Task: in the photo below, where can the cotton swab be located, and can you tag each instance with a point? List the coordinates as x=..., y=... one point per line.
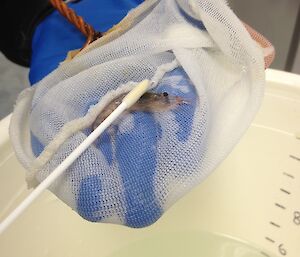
x=131, y=98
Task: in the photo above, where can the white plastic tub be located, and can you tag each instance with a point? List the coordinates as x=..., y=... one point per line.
x=243, y=198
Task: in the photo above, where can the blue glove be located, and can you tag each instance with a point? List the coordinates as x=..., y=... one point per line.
x=135, y=150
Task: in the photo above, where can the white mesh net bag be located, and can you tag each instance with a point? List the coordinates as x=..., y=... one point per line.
x=195, y=50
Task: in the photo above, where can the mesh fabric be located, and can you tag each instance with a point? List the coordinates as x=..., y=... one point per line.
x=197, y=50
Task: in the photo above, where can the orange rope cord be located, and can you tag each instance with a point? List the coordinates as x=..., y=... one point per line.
x=77, y=21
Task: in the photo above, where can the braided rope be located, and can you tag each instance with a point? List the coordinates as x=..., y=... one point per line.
x=77, y=21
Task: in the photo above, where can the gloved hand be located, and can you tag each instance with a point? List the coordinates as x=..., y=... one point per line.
x=131, y=146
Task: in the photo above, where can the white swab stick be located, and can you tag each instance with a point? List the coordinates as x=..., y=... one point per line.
x=131, y=98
